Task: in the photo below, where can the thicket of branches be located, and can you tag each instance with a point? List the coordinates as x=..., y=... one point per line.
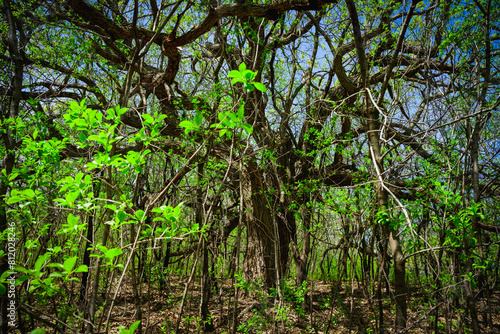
x=273, y=143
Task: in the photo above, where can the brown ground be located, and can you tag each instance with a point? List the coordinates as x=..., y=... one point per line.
x=327, y=312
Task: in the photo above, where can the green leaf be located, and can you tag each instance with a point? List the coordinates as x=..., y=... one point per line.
x=33, y=101
x=81, y=122
x=40, y=261
x=233, y=117
x=139, y=214
x=82, y=269
x=72, y=221
x=241, y=111
x=234, y=74
x=222, y=116
x=56, y=274
x=111, y=207
x=72, y=196
x=247, y=127
x=38, y=331
x=242, y=67
x=74, y=106
x=134, y=326
x=121, y=216
x=94, y=138
x=5, y=275
x=28, y=193
x=55, y=265
x=78, y=177
x=18, y=196
x=188, y=126
x=51, y=292
x=249, y=75
x=236, y=80
x=260, y=86
x=99, y=116
x=15, y=199
x=198, y=118
x=69, y=263
x=120, y=111
x=23, y=270
x=21, y=279
x=249, y=87
x=147, y=119
x=111, y=114
x=177, y=210
x=12, y=176
x=112, y=253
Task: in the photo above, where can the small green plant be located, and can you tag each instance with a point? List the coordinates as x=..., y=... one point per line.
x=167, y=324
x=282, y=314
x=295, y=295
x=255, y=323
x=131, y=330
x=326, y=302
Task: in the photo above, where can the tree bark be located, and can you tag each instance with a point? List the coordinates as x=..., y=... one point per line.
x=301, y=261
x=205, y=277
x=260, y=257
x=86, y=259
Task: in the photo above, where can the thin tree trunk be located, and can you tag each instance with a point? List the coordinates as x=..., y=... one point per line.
x=237, y=260
x=193, y=270
x=86, y=259
x=302, y=262
x=205, y=277
x=95, y=284
x=135, y=280
x=164, y=267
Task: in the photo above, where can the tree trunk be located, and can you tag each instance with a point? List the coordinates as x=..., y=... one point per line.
x=92, y=307
x=205, y=278
x=164, y=267
x=301, y=261
x=86, y=259
x=260, y=258
x=135, y=276
x=400, y=291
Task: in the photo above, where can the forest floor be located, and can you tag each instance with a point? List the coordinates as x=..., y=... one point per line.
x=345, y=309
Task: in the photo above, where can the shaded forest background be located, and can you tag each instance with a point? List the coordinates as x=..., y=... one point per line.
x=302, y=166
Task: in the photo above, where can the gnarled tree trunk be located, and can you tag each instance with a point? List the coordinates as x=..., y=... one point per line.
x=260, y=257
